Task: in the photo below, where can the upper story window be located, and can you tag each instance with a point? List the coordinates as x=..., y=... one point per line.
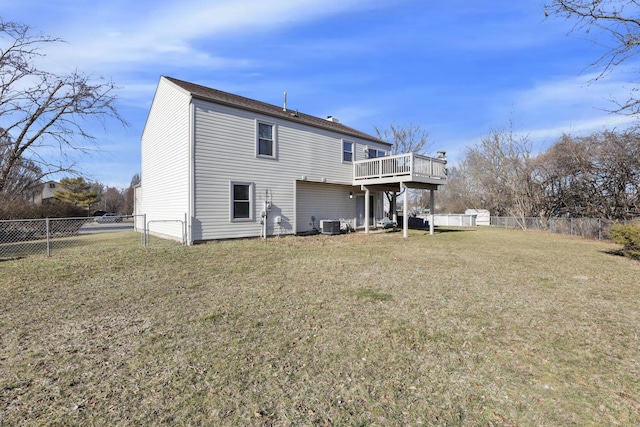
x=241, y=201
x=265, y=140
x=347, y=151
x=52, y=185
x=372, y=153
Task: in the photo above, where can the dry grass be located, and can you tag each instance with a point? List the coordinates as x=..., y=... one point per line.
x=473, y=327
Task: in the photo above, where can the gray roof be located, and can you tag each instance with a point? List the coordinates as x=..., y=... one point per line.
x=225, y=98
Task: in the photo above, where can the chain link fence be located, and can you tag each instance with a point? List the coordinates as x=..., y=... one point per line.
x=591, y=228
x=24, y=237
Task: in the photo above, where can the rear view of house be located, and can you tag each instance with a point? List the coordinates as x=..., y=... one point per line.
x=218, y=166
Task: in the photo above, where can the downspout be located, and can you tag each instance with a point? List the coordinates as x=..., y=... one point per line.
x=264, y=220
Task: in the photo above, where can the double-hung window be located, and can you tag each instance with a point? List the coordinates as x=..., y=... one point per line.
x=241, y=201
x=347, y=151
x=265, y=140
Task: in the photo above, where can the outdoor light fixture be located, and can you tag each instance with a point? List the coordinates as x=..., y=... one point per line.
x=351, y=194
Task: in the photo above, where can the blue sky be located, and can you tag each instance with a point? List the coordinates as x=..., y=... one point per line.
x=457, y=68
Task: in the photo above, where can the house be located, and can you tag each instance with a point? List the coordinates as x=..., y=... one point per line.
x=43, y=192
x=219, y=166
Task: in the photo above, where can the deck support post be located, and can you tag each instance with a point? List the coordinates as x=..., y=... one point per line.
x=394, y=213
x=432, y=209
x=405, y=211
x=367, y=209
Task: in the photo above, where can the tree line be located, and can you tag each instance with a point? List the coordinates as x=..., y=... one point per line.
x=73, y=197
x=590, y=176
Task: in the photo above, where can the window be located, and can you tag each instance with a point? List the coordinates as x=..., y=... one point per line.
x=52, y=185
x=266, y=143
x=241, y=201
x=372, y=153
x=347, y=151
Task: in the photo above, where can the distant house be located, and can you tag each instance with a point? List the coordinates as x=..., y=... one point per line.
x=43, y=192
x=219, y=166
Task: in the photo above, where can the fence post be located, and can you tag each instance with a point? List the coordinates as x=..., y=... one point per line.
x=571, y=227
x=48, y=242
x=144, y=230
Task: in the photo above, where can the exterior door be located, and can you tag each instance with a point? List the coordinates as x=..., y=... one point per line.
x=360, y=210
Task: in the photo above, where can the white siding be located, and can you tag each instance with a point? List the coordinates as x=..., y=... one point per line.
x=224, y=150
x=316, y=201
x=48, y=192
x=165, y=161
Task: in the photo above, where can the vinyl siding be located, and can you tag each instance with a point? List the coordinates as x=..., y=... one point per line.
x=224, y=150
x=165, y=161
x=317, y=201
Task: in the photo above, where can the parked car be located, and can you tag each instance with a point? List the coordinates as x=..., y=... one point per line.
x=99, y=213
x=109, y=217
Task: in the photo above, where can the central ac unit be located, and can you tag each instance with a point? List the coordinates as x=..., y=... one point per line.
x=329, y=227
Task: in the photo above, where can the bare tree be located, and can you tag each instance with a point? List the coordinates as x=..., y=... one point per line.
x=616, y=19
x=497, y=174
x=113, y=200
x=40, y=109
x=618, y=169
x=565, y=172
x=25, y=175
x=593, y=176
x=409, y=139
x=130, y=195
x=461, y=190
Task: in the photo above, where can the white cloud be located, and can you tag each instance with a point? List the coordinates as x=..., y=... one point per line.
x=169, y=32
x=572, y=105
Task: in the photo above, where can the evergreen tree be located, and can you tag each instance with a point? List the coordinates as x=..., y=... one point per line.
x=77, y=191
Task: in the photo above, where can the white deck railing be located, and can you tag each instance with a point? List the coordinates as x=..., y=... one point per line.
x=409, y=166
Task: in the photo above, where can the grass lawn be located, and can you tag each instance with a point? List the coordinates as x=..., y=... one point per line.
x=467, y=327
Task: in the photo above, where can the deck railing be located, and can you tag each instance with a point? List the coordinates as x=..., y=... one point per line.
x=411, y=165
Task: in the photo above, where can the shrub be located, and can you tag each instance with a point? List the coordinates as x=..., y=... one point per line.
x=629, y=237
x=20, y=209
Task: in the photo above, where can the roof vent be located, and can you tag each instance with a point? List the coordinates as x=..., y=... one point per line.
x=333, y=119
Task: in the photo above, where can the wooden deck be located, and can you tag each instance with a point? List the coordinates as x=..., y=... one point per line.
x=410, y=169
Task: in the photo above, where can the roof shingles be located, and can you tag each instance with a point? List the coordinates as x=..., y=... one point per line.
x=220, y=97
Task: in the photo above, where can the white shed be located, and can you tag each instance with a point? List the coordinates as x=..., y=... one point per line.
x=483, y=217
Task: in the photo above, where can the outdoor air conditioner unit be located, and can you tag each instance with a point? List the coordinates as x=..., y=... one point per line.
x=329, y=227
